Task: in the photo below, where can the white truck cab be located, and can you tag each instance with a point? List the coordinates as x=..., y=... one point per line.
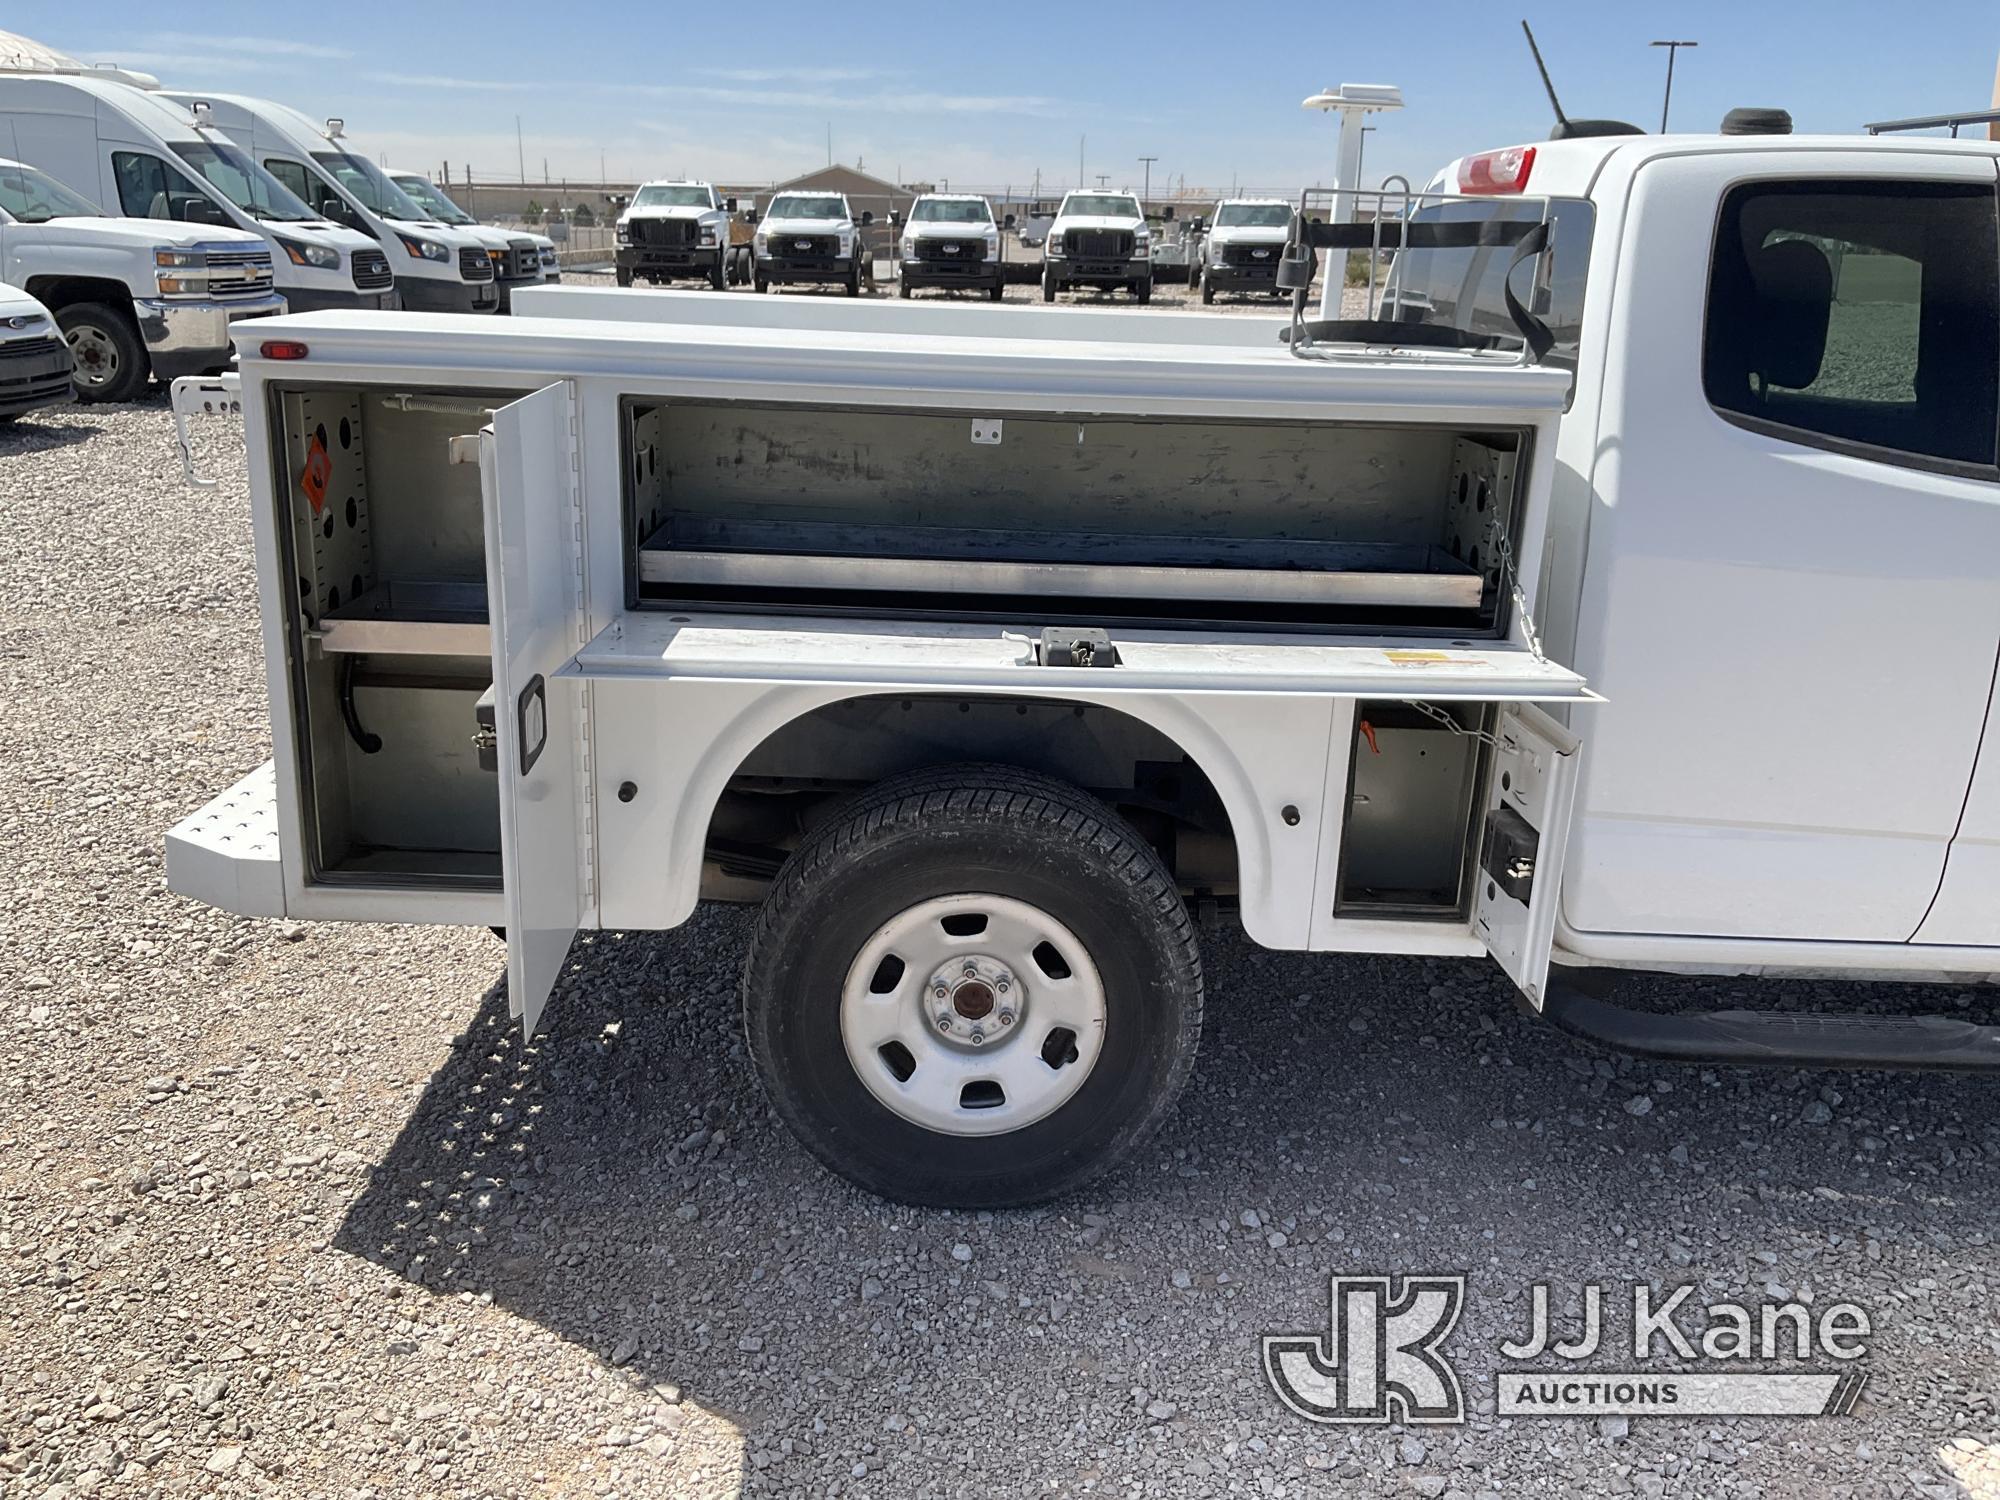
x=34, y=359
x=1623, y=594
x=137, y=154
x=136, y=299
x=437, y=268
x=1241, y=250
x=520, y=259
x=673, y=229
x=1098, y=240
x=808, y=238
x=950, y=240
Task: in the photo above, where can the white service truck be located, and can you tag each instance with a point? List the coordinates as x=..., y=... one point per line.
x=34, y=359
x=809, y=238
x=136, y=299
x=1241, y=250
x=674, y=229
x=950, y=240
x=1626, y=597
x=1098, y=240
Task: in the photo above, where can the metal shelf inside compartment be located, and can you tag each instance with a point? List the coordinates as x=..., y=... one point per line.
x=412, y=617
x=823, y=554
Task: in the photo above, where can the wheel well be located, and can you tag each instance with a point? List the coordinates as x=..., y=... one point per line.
x=58, y=292
x=807, y=769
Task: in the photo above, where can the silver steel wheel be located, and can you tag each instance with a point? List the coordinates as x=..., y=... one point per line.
x=972, y=1015
x=96, y=356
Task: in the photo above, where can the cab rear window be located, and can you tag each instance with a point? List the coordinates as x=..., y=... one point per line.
x=1859, y=314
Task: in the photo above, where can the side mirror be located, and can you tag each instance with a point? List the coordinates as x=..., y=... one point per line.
x=895, y=218
x=729, y=205
x=203, y=211
x=867, y=217
x=1008, y=222
x=750, y=216
x=1167, y=214
x=334, y=209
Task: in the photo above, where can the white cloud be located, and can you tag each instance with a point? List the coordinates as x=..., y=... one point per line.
x=446, y=81
x=250, y=46
x=799, y=75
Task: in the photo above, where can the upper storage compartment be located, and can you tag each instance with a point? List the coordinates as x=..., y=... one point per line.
x=1316, y=524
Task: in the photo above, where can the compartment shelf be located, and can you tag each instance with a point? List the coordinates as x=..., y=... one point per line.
x=735, y=552
x=407, y=617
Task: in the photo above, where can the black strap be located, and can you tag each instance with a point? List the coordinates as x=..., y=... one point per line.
x=1384, y=331
x=1415, y=234
x=1533, y=330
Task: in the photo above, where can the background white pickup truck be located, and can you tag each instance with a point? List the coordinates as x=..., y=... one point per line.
x=1098, y=240
x=672, y=230
x=1245, y=239
x=813, y=238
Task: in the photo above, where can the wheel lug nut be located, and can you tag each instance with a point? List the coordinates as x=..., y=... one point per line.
x=1000, y=985
x=1006, y=1018
x=972, y=971
x=944, y=1023
x=978, y=1037
x=940, y=992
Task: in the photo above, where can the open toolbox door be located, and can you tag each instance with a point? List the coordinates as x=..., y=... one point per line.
x=528, y=479
x=1523, y=833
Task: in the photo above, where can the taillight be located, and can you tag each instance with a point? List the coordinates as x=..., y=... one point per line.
x=283, y=349
x=1497, y=171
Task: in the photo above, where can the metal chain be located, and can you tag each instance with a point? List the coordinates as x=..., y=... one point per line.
x=1432, y=711
x=1497, y=533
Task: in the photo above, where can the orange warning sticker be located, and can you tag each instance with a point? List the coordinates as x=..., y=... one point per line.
x=1419, y=658
x=319, y=469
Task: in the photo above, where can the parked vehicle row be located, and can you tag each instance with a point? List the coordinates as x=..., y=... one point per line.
x=146, y=221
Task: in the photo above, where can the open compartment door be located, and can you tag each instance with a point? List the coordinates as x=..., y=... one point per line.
x=528, y=478
x=1523, y=833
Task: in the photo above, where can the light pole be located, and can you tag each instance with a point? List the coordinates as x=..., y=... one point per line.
x=1668, y=102
x=1147, y=192
x=1353, y=102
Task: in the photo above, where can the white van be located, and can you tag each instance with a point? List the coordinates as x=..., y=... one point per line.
x=437, y=268
x=139, y=156
x=530, y=259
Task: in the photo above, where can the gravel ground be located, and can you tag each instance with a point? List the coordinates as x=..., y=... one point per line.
x=291, y=1211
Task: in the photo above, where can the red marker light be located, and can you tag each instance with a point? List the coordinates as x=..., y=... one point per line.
x=1497, y=171
x=283, y=349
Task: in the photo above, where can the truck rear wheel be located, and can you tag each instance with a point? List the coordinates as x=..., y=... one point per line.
x=111, y=362
x=978, y=988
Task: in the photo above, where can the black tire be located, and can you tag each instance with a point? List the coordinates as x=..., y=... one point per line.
x=1207, y=292
x=761, y=282
x=624, y=276
x=902, y=286
x=998, y=831
x=999, y=291
x=1144, y=291
x=717, y=275
x=854, y=277
x=1048, y=287
x=109, y=352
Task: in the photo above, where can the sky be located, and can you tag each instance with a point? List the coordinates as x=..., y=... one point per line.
x=1003, y=92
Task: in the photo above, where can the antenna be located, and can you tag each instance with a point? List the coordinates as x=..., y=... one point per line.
x=1543, y=68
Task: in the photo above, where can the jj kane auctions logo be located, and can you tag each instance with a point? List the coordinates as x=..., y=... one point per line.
x=1382, y=1358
